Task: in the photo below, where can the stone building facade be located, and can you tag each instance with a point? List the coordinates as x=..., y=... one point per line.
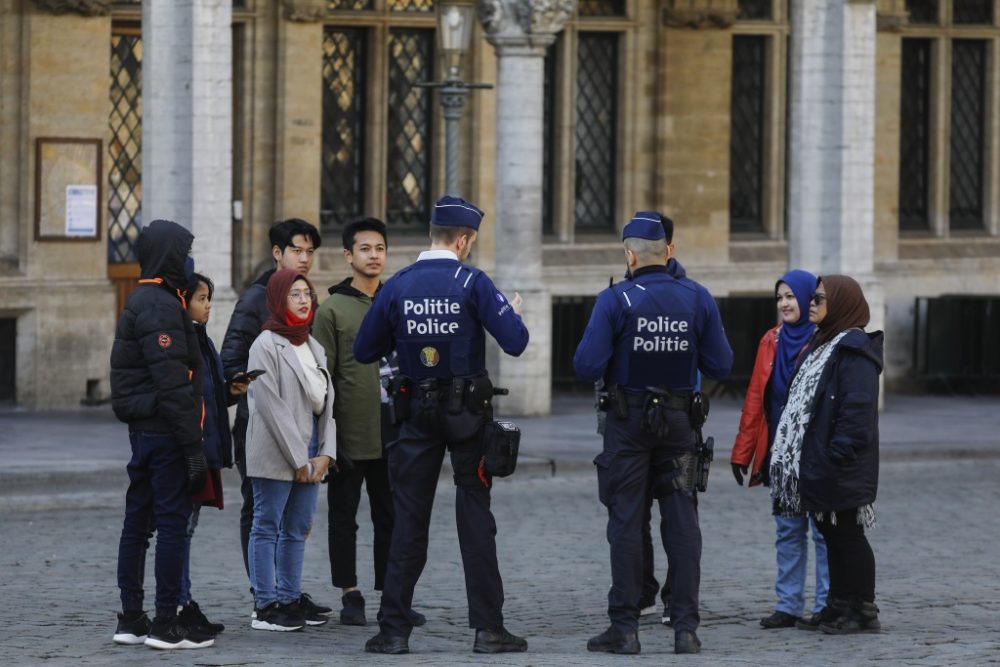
x=854, y=136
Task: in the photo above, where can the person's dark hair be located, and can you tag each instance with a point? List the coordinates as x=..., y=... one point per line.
x=447, y=234
x=363, y=225
x=283, y=232
x=192, y=285
x=668, y=228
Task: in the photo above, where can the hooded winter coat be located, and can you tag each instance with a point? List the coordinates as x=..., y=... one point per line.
x=156, y=365
x=839, y=464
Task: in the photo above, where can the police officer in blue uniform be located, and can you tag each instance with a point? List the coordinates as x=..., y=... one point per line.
x=433, y=313
x=648, y=337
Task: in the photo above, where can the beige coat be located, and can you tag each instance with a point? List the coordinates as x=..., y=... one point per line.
x=281, y=419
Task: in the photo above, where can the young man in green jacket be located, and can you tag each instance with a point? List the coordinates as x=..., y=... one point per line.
x=361, y=413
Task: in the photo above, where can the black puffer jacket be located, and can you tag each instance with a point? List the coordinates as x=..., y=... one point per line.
x=839, y=465
x=156, y=381
x=245, y=325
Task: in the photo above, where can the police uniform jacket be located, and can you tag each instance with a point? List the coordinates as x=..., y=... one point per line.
x=653, y=331
x=433, y=314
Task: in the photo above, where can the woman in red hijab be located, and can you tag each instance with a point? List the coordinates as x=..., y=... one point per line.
x=291, y=442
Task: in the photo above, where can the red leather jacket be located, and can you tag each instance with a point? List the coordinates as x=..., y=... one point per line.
x=750, y=448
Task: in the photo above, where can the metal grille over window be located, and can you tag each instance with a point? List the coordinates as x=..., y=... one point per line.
x=601, y=8
x=922, y=11
x=968, y=96
x=596, y=124
x=973, y=11
x=411, y=58
x=548, y=139
x=124, y=148
x=343, y=125
x=746, y=141
x=411, y=6
x=914, y=135
x=348, y=5
x=755, y=10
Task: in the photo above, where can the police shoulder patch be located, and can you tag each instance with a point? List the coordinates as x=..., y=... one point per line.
x=164, y=340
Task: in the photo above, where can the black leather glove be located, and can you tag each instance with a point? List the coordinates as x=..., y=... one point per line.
x=197, y=469
x=738, y=472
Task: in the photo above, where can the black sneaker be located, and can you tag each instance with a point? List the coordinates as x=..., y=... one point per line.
x=170, y=633
x=133, y=628
x=307, y=604
x=295, y=609
x=192, y=617
x=647, y=605
x=778, y=619
x=383, y=643
x=498, y=641
x=353, y=612
x=276, y=617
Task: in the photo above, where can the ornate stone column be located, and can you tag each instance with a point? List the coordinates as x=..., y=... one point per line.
x=520, y=31
x=187, y=132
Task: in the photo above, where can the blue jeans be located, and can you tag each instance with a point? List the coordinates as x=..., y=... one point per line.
x=282, y=518
x=157, y=500
x=186, y=570
x=792, y=546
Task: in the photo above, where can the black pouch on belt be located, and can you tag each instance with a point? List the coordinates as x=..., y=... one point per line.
x=399, y=406
x=654, y=416
x=501, y=441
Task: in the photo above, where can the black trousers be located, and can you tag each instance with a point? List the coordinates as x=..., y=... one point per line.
x=630, y=459
x=246, y=490
x=414, y=467
x=650, y=586
x=343, y=497
x=851, y=559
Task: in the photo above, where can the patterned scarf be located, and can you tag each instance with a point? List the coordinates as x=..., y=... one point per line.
x=787, y=448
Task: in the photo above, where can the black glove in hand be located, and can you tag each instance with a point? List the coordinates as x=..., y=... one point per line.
x=197, y=471
x=738, y=472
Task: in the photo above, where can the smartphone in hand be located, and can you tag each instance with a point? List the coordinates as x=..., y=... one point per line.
x=248, y=376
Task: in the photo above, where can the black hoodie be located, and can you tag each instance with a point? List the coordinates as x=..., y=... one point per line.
x=156, y=382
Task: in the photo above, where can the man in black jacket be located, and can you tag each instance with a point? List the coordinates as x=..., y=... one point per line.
x=156, y=388
x=293, y=245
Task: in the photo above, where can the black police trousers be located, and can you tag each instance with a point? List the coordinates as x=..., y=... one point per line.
x=631, y=460
x=414, y=468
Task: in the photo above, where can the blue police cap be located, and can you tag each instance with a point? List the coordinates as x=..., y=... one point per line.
x=456, y=212
x=644, y=225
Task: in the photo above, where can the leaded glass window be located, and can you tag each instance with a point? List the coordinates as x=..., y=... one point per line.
x=125, y=146
x=596, y=127
x=344, y=106
x=411, y=5
x=755, y=10
x=922, y=11
x=746, y=140
x=914, y=135
x=549, y=139
x=968, y=145
x=973, y=11
x=601, y=8
x=411, y=59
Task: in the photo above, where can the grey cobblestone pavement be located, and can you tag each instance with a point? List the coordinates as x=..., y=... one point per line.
x=938, y=582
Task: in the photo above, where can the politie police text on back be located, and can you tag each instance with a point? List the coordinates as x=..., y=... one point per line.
x=661, y=324
x=430, y=325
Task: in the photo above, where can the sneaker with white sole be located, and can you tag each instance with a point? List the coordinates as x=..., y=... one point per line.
x=278, y=618
x=133, y=628
x=295, y=609
x=171, y=633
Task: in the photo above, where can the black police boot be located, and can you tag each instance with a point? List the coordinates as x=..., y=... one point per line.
x=686, y=641
x=498, y=641
x=383, y=643
x=613, y=641
x=860, y=617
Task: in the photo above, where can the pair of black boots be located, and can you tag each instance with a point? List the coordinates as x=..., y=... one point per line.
x=849, y=617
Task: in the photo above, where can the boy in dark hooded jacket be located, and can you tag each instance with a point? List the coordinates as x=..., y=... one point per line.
x=156, y=389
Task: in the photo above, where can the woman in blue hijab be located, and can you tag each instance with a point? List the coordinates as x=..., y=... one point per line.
x=773, y=370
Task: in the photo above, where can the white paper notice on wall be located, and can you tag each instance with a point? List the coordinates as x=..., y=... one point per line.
x=81, y=210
